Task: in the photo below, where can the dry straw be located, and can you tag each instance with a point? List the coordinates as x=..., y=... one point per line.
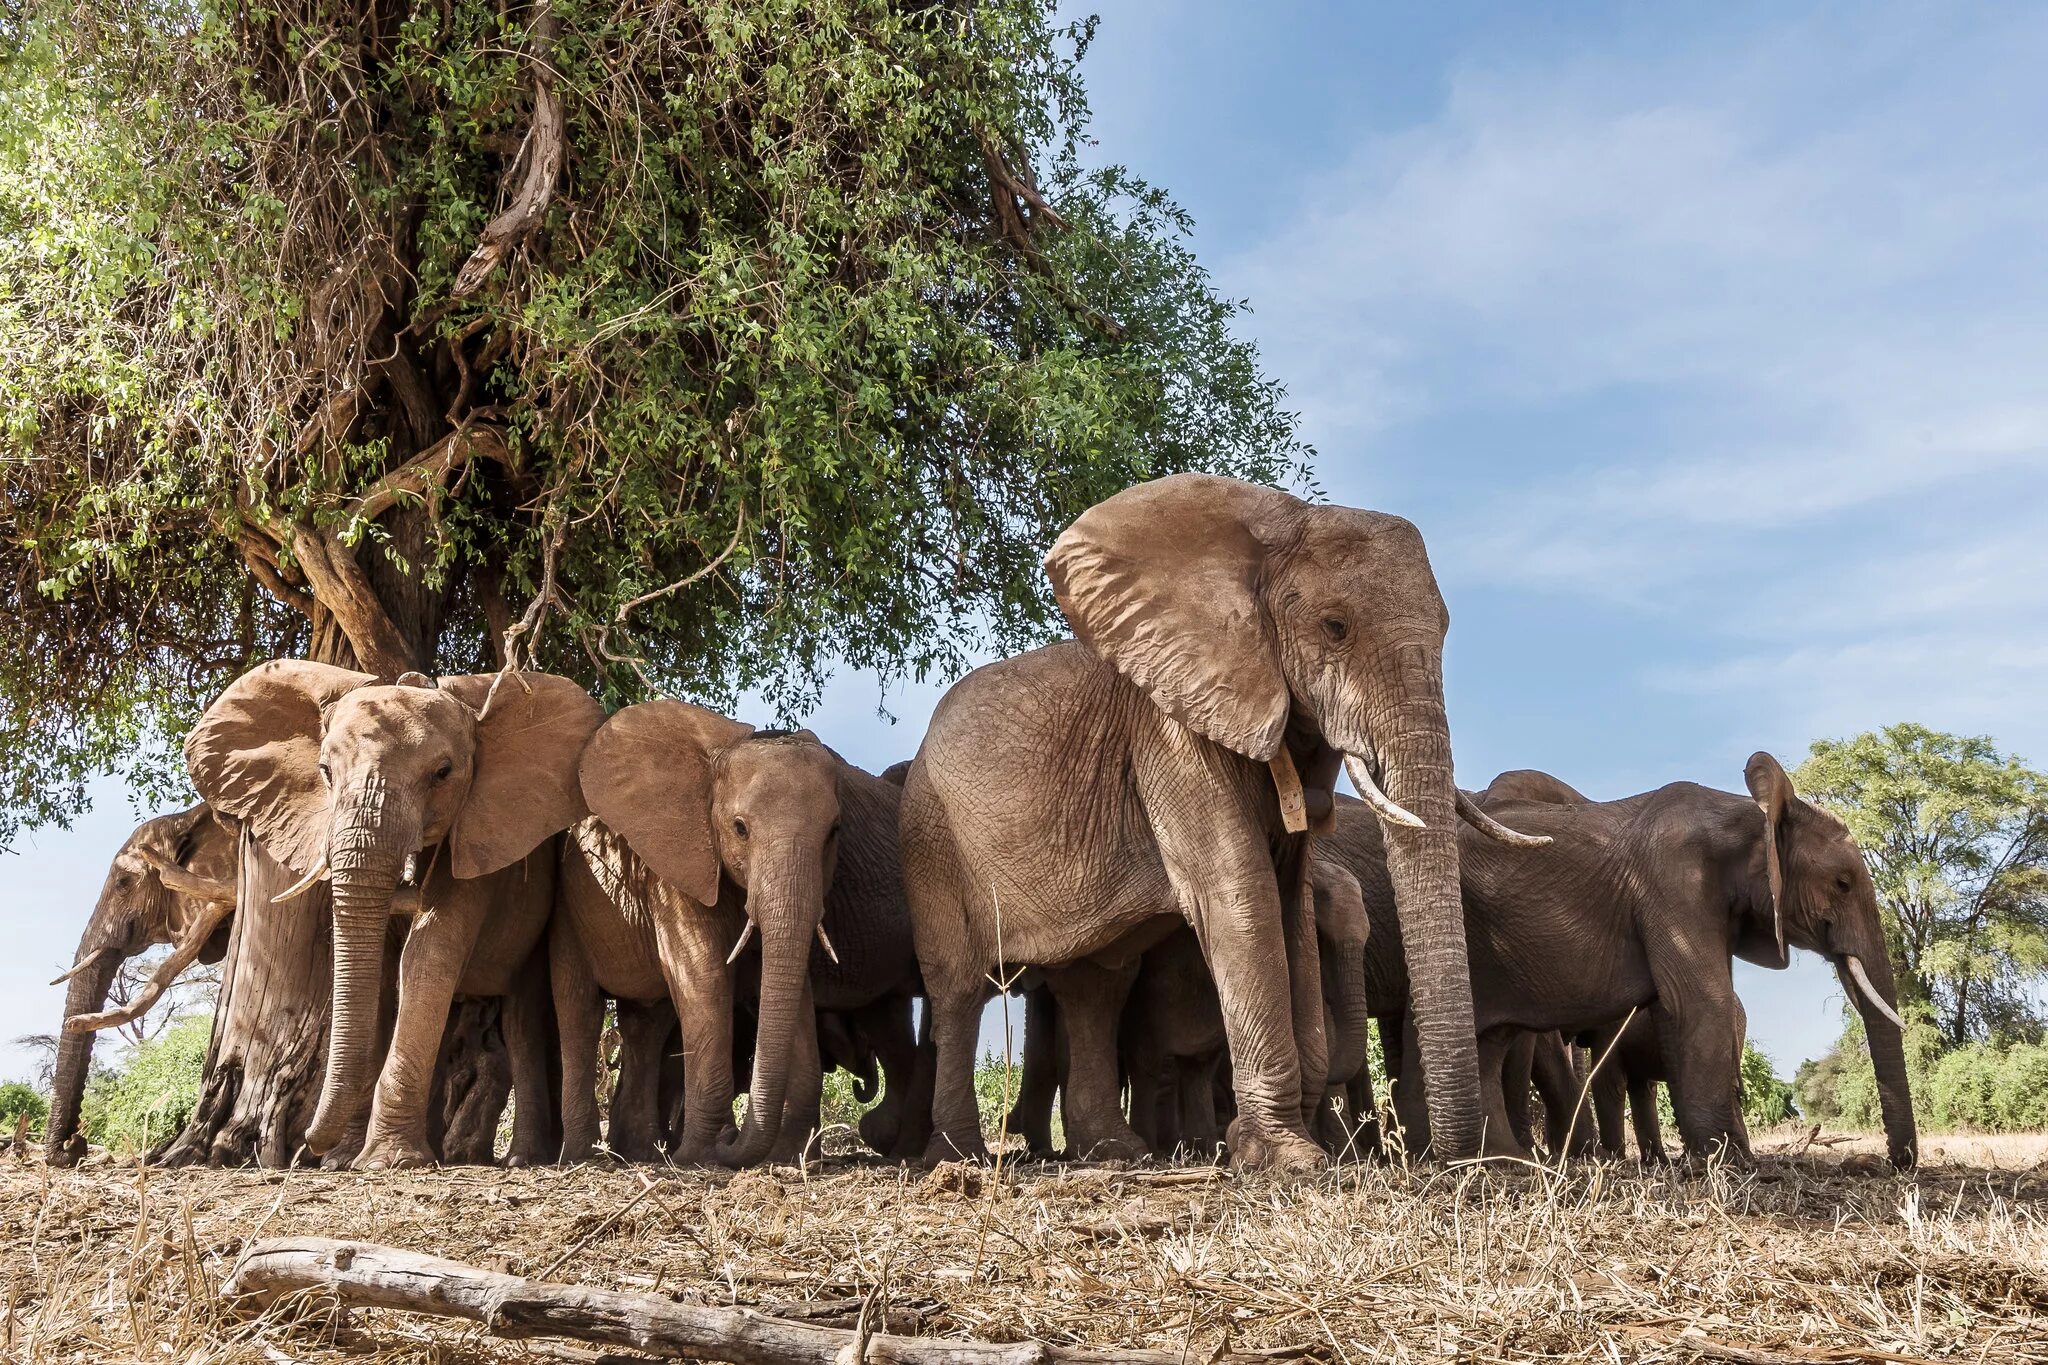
x=1801, y=1260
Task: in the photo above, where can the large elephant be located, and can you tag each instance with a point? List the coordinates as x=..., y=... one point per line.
x=768, y=831
x=1643, y=903
x=1236, y=646
x=172, y=881
x=455, y=786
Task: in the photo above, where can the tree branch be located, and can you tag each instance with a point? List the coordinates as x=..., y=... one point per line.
x=511, y=1306
x=339, y=584
x=543, y=151
x=430, y=469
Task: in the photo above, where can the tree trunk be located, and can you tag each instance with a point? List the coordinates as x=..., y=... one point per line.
x=264, y=1064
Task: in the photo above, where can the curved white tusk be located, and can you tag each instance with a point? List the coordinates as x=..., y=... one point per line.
x=1870, y=992
x=1494, y=829
x=94, y=956
x=740, y=947
x=1382, y=805
x=304, y=884
x=826, y=944
x=412, y=869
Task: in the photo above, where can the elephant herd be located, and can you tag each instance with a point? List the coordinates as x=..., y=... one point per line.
x=1138, y=828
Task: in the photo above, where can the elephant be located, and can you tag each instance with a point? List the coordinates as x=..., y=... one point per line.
x=456, y=787
x=1070, y=806
x=172, y=881
x=1628, y=1057
x=769, y=831
x=1642, y=903
x=1543, y=1063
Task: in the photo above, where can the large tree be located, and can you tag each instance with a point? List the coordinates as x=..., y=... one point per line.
x=681, y=348
x=780, y=330
x=1956, y=835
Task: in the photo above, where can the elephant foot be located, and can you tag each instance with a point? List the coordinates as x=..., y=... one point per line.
x=789, y=1151
x=392, y=1154
x=1283, y=1152
x=880, y=1131
x=66, y=1153
x=943, y=1148
x=1114, y=1147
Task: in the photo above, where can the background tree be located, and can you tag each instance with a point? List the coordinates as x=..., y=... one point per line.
x=1956, y=836
x=677, y=348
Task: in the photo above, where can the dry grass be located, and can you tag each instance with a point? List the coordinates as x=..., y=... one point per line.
x=1808, y=1258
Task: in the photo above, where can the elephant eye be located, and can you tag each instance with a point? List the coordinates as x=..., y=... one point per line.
x=447, y=767
x=739, y=827
x=1336, y=627
x=325, y=775
x=1844, y=882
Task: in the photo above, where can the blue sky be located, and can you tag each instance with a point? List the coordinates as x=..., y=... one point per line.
x=1708, y=346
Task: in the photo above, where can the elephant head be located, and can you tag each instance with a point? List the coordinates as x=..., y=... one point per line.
x=345, y=778
x=173, y=881
x=702, y=800
x=1822, y=899
x=1252, y=617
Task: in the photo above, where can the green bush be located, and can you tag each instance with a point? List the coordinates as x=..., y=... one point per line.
x=2019, y=1096
x=18, y=1098
x=1766, y=1100
x=1982, y=1086
x=153, y=1092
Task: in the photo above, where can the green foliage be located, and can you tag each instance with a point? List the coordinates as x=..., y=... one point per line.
x=18, y=1098
x=1766, y=1100
x=838, y=1104
x=1956, y=836
x=826, y=282
x=151, y=1095
x=1987, y=1087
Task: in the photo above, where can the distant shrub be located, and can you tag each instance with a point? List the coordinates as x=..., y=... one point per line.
x=1989, y=1087
x=151, y=1095
x=1766, y=1100
x=18, y=1098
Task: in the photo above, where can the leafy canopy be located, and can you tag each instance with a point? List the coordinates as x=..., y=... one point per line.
x=691, y=348
x=1956, y=836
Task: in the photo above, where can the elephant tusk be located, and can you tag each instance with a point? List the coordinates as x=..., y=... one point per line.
x=740, y=947
x=1855, y=965
x=412, y=869
x=1382, y=805
x=826, y=944
x=1494, y=829
x=94, y=956
x=304, y=884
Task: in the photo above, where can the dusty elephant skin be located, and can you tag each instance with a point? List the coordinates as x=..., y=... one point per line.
x=750, y=834
x=340, y=776
x=1643, y=903
x=171, y=881
x=1236, y=646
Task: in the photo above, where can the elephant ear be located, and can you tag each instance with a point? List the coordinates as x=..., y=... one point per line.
x=529, y=738
x=648, y=774
x=1772, y=790
x=1162, y=581
x=255, y=754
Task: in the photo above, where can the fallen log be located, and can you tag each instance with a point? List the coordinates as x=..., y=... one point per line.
x=364, y=1275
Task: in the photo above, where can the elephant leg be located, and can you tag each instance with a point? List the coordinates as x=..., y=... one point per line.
x=1518, y=1063
x=428, y=969
x=1362, y=1116
x=916, y=1130
x=1704, y=1080
x=1199, y=1131
x=954, y=976
x=887, y=1027
x=1411, y=1111
x=803, y=1100
x=1091, y=1001
x=956, y=1117
x=530, y=1036
x=579, y=1018
x=1610, y=1100
x=1031, y=1116
x=1642, y=1112
x=1499, y=1138
x=1567, y=1122
x=636, y=1129
x=672, y=1085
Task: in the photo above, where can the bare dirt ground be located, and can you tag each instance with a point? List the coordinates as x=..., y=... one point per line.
x=1821, y=1255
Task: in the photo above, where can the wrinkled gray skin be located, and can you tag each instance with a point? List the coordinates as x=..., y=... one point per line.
x=1643, y=903
x=775, y=829
x=1542, y=1063
x=1631, y=1064
x=1071, y=806
x=463, y=781
x=137, y=911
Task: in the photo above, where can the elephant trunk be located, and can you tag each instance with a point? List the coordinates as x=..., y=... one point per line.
x=365, y=860
x=1887, y=1052
x=1350, y=1021
x=786, y=898
x=1414, y=746
x=86, y=993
